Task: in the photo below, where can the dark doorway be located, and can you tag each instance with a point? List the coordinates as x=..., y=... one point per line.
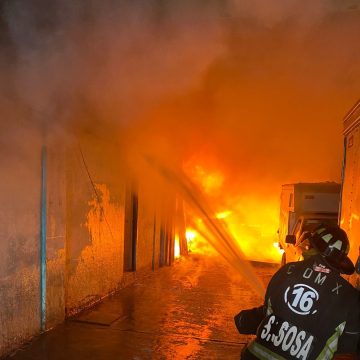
x=166, y=244
x=131, y=229
x=162, y=246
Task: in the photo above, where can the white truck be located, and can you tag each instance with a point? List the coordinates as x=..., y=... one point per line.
x=304, y=206
x=350, y=199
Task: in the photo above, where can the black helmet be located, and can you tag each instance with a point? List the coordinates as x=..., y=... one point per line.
x=333, y=244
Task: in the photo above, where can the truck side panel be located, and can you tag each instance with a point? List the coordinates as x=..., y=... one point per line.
x=323, y=202
x=317, y=197
x=350, y=207
x=305, y=198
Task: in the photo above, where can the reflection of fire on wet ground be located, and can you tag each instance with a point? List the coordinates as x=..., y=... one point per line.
x=180, y=312
x=199, y=323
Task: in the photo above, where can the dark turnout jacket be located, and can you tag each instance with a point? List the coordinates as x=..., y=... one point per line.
x=310, y=312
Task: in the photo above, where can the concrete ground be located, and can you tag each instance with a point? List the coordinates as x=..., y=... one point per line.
x=180, y=312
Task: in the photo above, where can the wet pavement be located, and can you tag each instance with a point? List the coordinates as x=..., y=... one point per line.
x=182, y=312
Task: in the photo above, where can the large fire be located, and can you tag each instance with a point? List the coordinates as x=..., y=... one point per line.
x=252, y=222
x=197, y=241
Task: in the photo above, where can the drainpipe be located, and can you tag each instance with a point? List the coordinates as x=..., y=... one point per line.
x=43, y=238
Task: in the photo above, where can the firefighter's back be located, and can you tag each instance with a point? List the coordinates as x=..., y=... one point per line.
x=312, y=312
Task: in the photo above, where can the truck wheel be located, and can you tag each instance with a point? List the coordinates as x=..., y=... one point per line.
x=283, y=259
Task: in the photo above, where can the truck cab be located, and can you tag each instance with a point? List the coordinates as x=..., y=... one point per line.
x=304, y=206
x=297, y=241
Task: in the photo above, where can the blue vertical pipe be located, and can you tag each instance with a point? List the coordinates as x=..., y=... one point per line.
x=43, y=238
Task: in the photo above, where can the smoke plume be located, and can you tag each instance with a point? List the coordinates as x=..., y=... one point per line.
x=254, y=90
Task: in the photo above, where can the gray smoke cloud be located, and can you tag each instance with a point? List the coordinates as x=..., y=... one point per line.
x=270, y=13
x=111, y=57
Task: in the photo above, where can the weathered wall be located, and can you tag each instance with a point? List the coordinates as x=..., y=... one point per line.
x=20, y=314
x=55, y=236
x=20, y=163
x=95, y=229
x=85, y=208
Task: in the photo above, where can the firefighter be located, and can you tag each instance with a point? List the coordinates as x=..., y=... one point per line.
x=310, y=311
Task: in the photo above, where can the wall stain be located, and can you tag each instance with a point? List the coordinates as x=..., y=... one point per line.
x=100, y=264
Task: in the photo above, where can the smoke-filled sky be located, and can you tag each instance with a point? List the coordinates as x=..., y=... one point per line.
x=253, y=89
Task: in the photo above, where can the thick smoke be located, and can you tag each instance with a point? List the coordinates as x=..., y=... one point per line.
x=253, y=89
x=107, y=57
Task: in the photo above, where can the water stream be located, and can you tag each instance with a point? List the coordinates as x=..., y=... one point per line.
x=215, y=230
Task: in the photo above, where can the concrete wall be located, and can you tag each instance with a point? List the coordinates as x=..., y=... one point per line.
x=85, y=213
x=20, y=180
x=94, y=229
x=56, y=232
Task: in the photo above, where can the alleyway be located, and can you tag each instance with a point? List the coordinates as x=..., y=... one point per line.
x=180, y=312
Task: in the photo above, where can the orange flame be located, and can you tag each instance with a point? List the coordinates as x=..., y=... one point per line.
x=252, y=222
x=196, y=242
x=177, y=246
